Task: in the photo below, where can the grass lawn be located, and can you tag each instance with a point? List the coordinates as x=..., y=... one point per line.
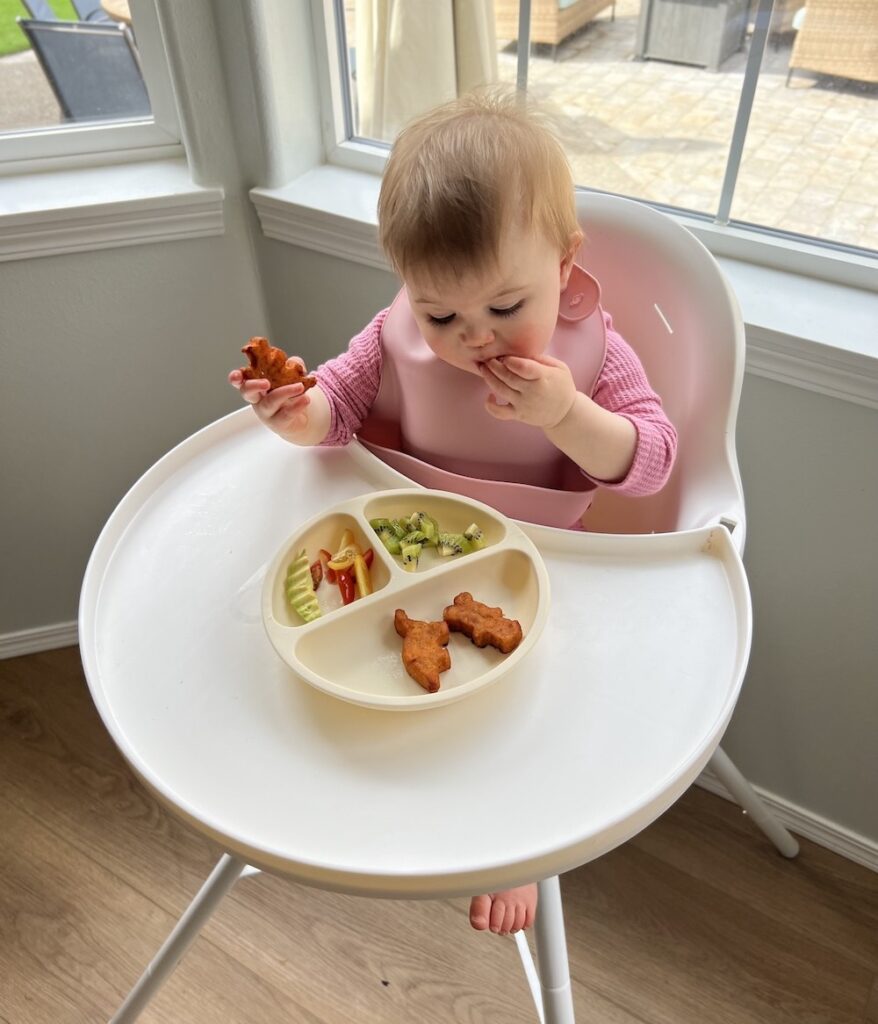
x=12, y=39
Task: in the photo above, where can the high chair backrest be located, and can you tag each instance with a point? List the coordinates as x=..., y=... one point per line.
x=670, y=301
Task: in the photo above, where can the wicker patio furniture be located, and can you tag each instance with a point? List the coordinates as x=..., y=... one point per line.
x=551, y=21
x=838, y=37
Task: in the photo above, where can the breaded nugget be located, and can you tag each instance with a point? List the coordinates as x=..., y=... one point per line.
x=482, y=624
x=270, y=363
x=424, y=650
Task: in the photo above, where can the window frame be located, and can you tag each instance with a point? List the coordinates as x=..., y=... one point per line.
x=824, y=259
x=158, y=137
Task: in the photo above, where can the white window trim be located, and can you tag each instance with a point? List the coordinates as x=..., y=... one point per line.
x=74, y=210
x=75, y=145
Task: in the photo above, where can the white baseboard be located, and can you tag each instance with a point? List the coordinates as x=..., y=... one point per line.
x=807, y=824
x=804, y=823
x=43, y=638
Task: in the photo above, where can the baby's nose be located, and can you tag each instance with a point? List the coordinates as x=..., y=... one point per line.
x=477, y=337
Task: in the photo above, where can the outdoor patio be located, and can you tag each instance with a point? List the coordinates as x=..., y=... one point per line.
x=661, y=131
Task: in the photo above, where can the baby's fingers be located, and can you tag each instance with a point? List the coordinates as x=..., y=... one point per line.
x=251, y=390
x=276, y=400
x=510, y=367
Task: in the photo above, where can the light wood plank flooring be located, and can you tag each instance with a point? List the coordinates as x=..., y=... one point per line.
x=696, y=921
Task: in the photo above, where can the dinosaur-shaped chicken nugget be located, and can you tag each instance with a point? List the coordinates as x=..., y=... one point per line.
x=424, y=651
x=482, y=624
x=270, y=363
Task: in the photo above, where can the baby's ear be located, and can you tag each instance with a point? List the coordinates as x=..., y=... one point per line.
x=569, y=256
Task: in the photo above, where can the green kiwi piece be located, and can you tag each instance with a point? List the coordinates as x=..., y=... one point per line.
x=410, y=555
x=414, y=537
x=426, y=525
x=400, y=527
x=389, y=539
x=475, y=535
x=453, y=544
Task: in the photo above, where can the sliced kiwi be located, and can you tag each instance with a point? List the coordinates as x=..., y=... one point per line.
x=414, y=537
x=400, y=527
x=426, y=525
x=453, y=544
x=410, y=555
x=389, y=539
x=475, y=535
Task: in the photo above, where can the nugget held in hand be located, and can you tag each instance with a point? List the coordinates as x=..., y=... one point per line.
x=424, y=650
x=482, y=624
x=270, y=363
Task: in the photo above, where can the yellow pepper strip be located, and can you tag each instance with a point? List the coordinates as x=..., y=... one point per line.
x=362, y=576
x=344, y=558
x=347, y=540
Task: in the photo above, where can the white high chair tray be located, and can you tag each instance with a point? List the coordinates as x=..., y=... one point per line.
x=599, y=729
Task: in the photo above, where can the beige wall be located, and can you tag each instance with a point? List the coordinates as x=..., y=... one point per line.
x=109, y=359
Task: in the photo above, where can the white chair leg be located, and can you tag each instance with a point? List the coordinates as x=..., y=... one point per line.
x=747, y=797
x=530, y=971
x=196, y=915
x=552, y=955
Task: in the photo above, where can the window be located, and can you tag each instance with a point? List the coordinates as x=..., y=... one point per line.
x=708, y=108
x=82, y=80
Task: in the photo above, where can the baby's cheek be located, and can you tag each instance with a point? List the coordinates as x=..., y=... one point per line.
x=530, y=342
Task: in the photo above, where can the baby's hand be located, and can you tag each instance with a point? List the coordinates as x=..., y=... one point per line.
x=536, y=391
x=284, y=410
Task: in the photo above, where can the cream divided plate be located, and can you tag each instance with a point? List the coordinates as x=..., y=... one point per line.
x=353, y=651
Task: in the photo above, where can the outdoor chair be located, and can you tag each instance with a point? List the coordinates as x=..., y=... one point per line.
x=552, y=21
x=40, y=9
x=837, y=37
x=93, y=69
x=91, y=10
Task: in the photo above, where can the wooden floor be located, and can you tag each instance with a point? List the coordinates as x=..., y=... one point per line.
x=696, y=921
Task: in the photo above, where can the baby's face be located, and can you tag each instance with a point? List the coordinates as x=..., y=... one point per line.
x=510, y=309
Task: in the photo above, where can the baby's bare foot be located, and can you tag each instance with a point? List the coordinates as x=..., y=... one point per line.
x=506, y=911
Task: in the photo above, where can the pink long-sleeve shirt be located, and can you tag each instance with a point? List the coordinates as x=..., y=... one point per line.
x=351, y=381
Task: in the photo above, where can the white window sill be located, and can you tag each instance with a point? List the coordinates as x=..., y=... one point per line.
x=78, y=209
x=813, y=334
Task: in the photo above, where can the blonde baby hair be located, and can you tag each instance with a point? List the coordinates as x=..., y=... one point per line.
x=460, y=174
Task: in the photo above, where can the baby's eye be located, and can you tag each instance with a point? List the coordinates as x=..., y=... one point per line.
x=440, y=321
x=509, y=311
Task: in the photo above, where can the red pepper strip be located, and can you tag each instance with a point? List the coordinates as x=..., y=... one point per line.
x=329, y=573
x=346, y=585
x=368, y=555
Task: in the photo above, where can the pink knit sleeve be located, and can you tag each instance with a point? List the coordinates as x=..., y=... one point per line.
x=623, y=388
x=350, y=382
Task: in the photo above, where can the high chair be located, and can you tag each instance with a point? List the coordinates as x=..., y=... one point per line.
x=614, y=714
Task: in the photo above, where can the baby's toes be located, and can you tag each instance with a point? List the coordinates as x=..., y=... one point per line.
x=520, y=918
x=479, y=912
x=500, y=910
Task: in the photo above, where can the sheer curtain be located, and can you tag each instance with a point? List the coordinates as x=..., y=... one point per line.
x=414, y=54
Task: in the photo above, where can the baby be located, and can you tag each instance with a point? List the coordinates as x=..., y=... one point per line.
x=495, y=373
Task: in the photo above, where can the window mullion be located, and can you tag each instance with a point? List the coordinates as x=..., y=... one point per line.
x=523, y=44
x=745, y=107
